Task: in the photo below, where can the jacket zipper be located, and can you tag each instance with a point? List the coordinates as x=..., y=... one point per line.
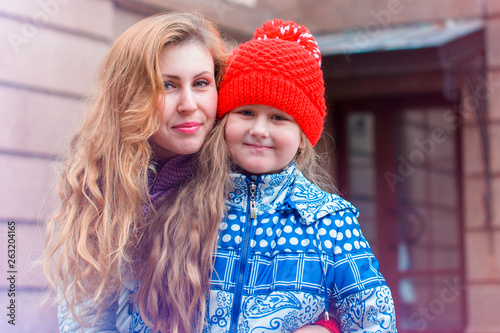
x=253, y=209
x=235, y=313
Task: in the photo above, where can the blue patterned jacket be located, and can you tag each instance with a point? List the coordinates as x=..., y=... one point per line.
x=302, y=250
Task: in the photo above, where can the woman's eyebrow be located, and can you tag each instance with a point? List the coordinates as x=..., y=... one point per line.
x=172, y=76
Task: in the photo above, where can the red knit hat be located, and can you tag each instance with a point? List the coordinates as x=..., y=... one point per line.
x=279, y=67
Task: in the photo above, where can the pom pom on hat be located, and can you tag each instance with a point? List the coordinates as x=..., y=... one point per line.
x=279, y=67
x=289, y=31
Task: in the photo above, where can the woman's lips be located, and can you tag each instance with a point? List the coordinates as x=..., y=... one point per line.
x=187, y=128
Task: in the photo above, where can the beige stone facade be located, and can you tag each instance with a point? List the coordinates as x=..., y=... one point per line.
x=51, y=49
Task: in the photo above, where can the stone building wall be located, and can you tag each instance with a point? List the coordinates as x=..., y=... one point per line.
x=50, y=52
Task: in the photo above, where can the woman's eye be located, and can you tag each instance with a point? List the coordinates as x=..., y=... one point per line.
x=201, y=83
x=168, y=85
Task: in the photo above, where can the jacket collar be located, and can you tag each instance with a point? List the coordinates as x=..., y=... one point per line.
x=287, y=190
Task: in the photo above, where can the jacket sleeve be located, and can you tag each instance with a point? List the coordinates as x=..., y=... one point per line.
x=376, y=311
x=105, y=323
x=360, y=299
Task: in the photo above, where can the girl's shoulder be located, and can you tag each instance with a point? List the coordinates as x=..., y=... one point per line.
x=312, y=203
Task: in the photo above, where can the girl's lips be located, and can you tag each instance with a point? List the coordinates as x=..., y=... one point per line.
x=187, y=128
x=257, y=147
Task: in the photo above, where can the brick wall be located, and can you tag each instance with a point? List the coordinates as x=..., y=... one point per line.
x=482, y=244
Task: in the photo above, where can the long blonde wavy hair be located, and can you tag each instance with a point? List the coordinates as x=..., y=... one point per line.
x=99, y=229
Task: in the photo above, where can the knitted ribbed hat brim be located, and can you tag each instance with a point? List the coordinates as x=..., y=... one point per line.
x=268, y=89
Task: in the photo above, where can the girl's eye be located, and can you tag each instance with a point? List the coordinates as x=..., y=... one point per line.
x=201, y=83
x=168, y=85
x=278, y=117
x=246, y=113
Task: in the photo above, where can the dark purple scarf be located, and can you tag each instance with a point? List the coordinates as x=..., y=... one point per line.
x=172, y=175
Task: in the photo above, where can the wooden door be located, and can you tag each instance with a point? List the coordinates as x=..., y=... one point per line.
x=400, y=166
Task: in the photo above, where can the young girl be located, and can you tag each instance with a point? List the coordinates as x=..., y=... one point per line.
x=288, y=252
x=119, y=227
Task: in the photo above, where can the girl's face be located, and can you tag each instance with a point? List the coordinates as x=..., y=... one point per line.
x=261, y=139
x=190, y=102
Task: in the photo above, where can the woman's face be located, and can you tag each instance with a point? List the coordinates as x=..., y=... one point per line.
x=190, y=102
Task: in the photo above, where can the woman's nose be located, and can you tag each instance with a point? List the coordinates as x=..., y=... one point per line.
x=187, y=102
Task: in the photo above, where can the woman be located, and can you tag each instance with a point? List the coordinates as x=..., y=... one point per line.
x=154, y=105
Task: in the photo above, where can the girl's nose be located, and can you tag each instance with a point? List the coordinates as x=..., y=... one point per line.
x=186, y=102
x=260, y=128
